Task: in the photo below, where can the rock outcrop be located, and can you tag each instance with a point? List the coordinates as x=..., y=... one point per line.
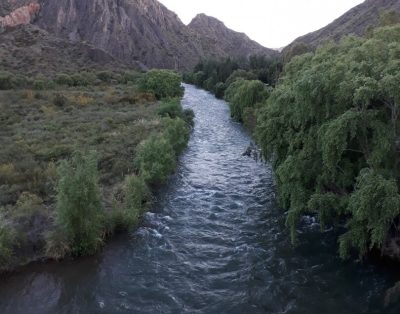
x=219, y=40
x=355, y=21
x=31, y=50
x=21, y=15
x=141, y=31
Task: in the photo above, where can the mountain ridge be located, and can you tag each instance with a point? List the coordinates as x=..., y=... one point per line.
x=355, y=21
x=144, y=31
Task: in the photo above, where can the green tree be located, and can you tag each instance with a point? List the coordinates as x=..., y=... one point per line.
x=331, y=131
x=79, y=210
x=155, y=159
x=163, y=83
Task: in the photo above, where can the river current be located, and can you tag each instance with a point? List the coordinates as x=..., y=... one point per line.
x=215, y=242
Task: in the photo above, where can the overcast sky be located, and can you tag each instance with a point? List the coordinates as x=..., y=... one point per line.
x=273, y=23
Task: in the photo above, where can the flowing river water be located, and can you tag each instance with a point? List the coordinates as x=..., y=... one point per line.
x=215, y=242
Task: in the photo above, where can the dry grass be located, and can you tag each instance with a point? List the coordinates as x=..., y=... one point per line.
x=35, y=134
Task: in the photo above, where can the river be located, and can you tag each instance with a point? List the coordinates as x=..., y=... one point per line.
x=215, y=242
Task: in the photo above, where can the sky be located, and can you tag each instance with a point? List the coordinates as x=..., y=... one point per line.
x=272, y=23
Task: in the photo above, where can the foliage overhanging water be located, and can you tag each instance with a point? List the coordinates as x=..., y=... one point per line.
x=214, y=243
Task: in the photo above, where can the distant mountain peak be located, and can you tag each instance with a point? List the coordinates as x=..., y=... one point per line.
x=214, y=33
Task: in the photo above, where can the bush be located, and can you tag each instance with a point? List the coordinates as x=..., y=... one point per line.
x=79, y=211
x=57, y=244
x=220, y=90
x=171, y=108
x=128, y=77
x=127, y=215
x=188, y=117
x=64, y=79
x=136, y=194
x=244, y=94
x=42, y=83
x=177, y=133
x=155, y=159
x=39, y=84
x=163, y=83
x=83, y=79
x=105, y=76
x=28, y=204
x=60, y=100
x=6, y=80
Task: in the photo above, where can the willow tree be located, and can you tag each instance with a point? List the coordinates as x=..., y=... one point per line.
x=331, y=130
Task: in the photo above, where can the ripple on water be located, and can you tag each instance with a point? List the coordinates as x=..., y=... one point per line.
x=215, y=243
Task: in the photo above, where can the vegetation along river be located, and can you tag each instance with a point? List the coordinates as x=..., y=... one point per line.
x=215, y=242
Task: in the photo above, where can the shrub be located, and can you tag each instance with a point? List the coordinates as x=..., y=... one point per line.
x=105, y=76
x=155, y=159
x=171, y=108
x=127, y=215
x=163, y=83
x=42, y=83
x=188, y=117
x=20, y=81
x=60, y=100
x=240, y=74
x=199, y=78
x=57, y=244
x=128, y=77
x=220, y=90
x=79, y=211
x=83, y=79
x=64, y=79
x=6, y=80
x=88, y=77
x=243, y=94
x=28, y=204
x=7, y=173
x=177, y=133
x=136, y=194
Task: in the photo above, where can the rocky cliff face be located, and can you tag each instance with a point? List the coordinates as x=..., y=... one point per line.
x=355, y=21
x=31, y=50
x=219, y=40
x=142, y=31
x=17, y=13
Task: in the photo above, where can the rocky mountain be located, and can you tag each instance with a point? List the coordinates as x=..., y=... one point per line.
x=132, y=31
x=31, y=50
x=219, y=40
x=355, y=21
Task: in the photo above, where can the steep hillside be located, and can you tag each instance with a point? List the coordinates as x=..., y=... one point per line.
x=216, y=38
x=355, y=21
x=30, y=50
x=142, y=31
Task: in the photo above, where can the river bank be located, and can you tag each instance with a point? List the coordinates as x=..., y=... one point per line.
x=50, y=137
x=213, y=242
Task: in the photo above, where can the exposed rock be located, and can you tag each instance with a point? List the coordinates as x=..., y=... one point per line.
x=143, y=30
x=21, y=15
x=131, y=31
x=219, y=40
x=31, y=50
x=355, y=21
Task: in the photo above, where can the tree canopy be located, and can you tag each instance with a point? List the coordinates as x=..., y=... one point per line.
x=331, y=129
